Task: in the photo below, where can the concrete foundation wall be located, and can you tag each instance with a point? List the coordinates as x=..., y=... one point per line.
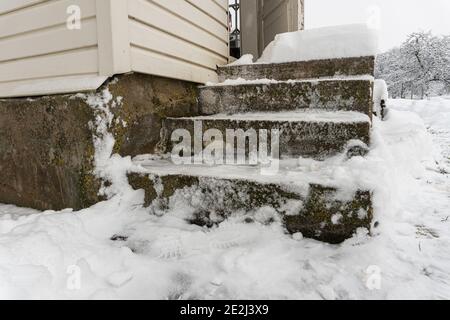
x=46, y=143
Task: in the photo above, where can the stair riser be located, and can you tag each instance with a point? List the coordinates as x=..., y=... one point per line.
x=351, y=95
x=307, y=139
x=300, y=70
x=308, y=212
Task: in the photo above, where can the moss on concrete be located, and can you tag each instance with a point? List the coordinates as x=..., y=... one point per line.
x=43, y=150
x=349, y=95
x=300, y=69
x=46, y=143
x=303, y=138
x=143, y=102
x=225, y=196
x=316, y=218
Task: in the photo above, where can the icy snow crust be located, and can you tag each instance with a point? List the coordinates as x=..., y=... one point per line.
x=345, y=41
x=240, y=81
x=163, y=257
x=309, y=115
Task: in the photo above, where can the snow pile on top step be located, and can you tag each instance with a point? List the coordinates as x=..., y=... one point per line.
x=151, y=257
x=245, y=59
x=323, y=43
x=346, y=41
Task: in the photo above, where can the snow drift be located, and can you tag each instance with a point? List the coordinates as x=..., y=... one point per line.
x=345, y=41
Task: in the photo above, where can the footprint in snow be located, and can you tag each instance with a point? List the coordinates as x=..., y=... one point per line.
x=228, y=238
x=425, y=232
x=169, y=247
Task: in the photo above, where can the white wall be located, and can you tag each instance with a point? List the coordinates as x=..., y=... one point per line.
x=36, y=47
x=181, y=39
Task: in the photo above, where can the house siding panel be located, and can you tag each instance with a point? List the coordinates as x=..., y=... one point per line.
x=36, y=46
x=188, y=41
x=179, y=39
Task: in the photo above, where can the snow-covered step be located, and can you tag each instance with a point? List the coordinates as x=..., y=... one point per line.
x=235, y=96
x=325, y=211
x=308, y=133
x=299, y=69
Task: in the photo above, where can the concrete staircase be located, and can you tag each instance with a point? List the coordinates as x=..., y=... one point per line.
x=318, y=109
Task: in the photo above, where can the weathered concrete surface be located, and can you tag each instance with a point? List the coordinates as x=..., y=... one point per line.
x=319, y=214
x=146, y=101
x=349, y=95
x=46, y=148
x=300, y=70
x=297, y=138
x=46, y=153
x=321, y=207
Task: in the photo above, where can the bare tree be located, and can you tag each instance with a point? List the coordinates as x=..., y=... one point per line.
x=418, y=67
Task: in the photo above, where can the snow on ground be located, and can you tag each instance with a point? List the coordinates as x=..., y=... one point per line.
x=71, y=255
x=241, y=81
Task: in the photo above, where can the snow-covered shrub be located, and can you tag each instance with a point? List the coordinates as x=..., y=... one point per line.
x=380, y=98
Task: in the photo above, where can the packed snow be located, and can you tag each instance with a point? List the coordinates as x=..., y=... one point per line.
x=380, y=93
x=241, y=81
x=117, y=249
x=245, y=59
x=305, y=114
x=344, y=41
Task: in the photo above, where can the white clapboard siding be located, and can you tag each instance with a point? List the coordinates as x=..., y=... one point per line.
x=178, y=39
x=66, y=63
x=212, y=9
x=13, y=5
x=52, y=85
x=221, y=3
x=44, y=15
x=40, y=55
x=49, y=40
x=155, y=16
x=154, y=63
x=199, y=18
x=147, y=37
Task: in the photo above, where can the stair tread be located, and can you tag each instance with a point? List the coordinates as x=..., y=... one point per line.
x=291, y=173
x=263, y=95
x=299, y=115
x=306, y=204
x=265, y=81
x=270, y=64
x=299, y=69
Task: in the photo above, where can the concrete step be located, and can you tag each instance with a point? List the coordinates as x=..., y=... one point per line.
x=300, y=70
x=348, y=94
x=308, y=133
x=212, y=194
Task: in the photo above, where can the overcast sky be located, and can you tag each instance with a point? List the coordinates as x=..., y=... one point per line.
x=397, y=18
